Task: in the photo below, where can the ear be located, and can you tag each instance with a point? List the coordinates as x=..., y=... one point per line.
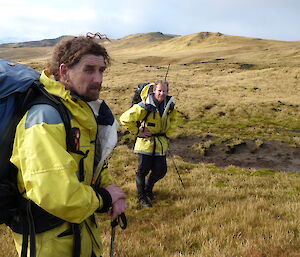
x=63, y=74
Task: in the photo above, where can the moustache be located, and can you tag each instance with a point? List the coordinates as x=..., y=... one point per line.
x=95, y=86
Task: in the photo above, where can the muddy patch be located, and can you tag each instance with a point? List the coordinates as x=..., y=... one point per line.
x=247, y=154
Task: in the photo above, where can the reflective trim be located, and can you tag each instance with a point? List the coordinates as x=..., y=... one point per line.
x=147, y=153
x=42, y=113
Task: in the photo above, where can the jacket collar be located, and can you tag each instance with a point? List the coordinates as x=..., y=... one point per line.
x=54, y=87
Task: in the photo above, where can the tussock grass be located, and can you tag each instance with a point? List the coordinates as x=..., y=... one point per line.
x=221, y=212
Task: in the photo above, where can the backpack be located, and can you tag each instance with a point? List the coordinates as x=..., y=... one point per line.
x=20, y=89
x=137, y=93
x=137, y=99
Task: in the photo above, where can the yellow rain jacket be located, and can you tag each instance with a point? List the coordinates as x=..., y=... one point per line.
x=146, y=114
x=48, y=174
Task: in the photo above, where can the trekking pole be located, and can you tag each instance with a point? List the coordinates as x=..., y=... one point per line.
x=172, y=158
x=122, y=221
x=167, y=72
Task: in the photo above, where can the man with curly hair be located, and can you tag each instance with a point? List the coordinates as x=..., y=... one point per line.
x=65, y=188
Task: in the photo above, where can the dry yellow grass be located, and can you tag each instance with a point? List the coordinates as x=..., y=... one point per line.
x=221, y=212
x=229, y=87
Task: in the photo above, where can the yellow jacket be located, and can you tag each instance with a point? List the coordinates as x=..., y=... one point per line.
x=162, y=127
x=48, y=173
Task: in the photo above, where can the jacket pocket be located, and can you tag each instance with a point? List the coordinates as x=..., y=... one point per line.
x=150, y=124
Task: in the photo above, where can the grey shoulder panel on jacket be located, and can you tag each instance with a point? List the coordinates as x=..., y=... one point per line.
x=147, y=107
x=42, y=113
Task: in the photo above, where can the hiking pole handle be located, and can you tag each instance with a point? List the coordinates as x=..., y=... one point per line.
x=120, y=220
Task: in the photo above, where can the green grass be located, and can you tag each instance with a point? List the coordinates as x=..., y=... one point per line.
x=253, y=125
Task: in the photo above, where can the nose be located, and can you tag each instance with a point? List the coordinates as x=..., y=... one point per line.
x=98, y=77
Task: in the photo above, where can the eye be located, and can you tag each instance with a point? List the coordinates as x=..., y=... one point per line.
x=89, y=70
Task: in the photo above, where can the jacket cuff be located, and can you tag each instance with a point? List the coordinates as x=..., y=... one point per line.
x=106, y=199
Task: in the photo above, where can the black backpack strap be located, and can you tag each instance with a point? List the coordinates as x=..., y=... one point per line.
x=25, y=235
x=28, y=231
x=31, y=230
x=138, y=123
x=77, y=239
x=147, y=115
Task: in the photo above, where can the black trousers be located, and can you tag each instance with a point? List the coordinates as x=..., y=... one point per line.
x=146, y=163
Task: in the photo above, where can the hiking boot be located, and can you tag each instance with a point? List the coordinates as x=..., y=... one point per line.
x=145, y=202
x=152, y=196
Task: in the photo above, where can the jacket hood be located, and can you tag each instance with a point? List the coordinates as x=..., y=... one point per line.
x=146, y=93
x=54, y=87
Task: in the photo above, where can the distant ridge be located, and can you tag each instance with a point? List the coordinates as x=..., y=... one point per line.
x=151, y=35
x=144, y=37
x=159, y=48
x=37, y=43
x=140, y=40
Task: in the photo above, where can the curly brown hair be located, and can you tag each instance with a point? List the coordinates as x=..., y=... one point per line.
x=70, y=52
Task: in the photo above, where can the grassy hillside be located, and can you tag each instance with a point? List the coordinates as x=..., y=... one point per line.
x=232, y=93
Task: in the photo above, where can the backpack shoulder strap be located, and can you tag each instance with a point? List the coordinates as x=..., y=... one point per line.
x=146, y=116
x=45, y=98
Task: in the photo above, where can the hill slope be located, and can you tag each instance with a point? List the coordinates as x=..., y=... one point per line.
x=204, y=46
x=158, y=48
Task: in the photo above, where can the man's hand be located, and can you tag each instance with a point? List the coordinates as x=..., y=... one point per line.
x=144, y=132
x=117, y=208
x=118, y=201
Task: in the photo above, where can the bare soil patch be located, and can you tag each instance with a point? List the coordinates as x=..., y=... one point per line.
x=248, y=154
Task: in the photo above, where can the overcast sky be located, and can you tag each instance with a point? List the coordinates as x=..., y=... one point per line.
x=26, y=20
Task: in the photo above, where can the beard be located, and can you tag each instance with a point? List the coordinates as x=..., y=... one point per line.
x=92, y=93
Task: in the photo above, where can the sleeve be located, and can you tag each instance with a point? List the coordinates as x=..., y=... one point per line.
x=47, y=171
x=130, y=118
x=103, y=175
x=173, y=117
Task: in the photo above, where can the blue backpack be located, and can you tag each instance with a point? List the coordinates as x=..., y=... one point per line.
x=20, y=89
